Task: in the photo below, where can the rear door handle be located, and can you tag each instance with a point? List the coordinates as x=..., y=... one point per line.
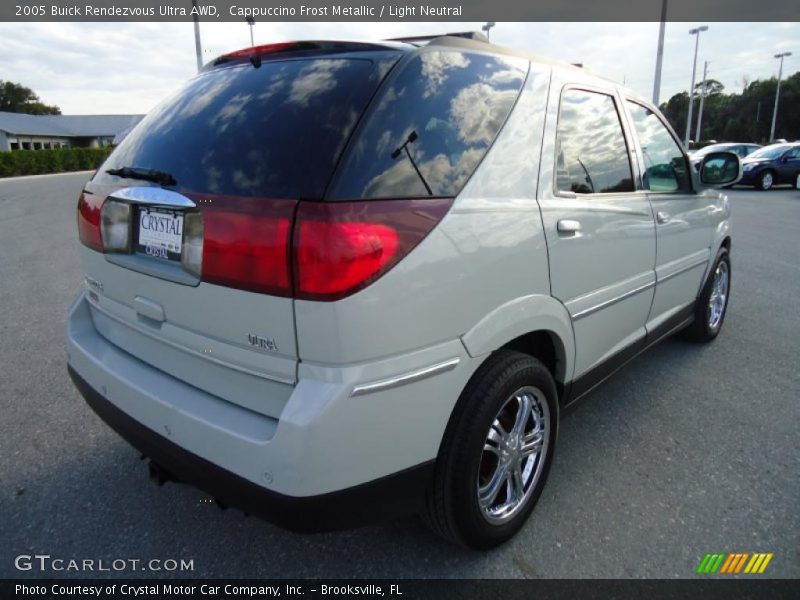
x=568, y=226
x=662, y=217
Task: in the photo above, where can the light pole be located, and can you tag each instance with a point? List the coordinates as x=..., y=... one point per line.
x=487, y=27
x=251, y=21
x=777, y=93
x=198, y=48
x=659, y=53
x=695, y=32
x=702, y=100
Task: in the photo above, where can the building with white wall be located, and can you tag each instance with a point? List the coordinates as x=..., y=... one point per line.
x=38, y=132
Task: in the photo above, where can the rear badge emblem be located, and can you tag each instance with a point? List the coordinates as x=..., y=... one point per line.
x=264, y=343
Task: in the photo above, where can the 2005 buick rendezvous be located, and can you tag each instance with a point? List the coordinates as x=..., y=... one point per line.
x=332, y=282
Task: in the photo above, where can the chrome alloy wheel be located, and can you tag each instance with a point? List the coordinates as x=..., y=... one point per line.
x=513, y=455
x=767, y=180
x=719, y=296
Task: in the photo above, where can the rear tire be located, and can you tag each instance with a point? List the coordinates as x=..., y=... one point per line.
x=712, y=303
x=765, y=181
x=496, y=452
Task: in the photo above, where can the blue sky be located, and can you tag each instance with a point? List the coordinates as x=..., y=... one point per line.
x=92, y=68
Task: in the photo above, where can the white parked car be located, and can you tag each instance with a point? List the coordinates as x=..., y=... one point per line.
x=332, y=282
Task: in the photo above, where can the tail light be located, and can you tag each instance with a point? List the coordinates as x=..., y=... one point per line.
x=89, y=209
x=246, y=244
x=342, y=247
x=320, y=251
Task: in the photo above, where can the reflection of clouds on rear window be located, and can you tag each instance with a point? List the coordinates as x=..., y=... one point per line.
x=431, y=126
x=435, y=67
x=315, y=79
x=477, y=112
x=272, y=131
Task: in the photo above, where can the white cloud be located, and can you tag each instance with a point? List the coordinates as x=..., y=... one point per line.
x=129, y=67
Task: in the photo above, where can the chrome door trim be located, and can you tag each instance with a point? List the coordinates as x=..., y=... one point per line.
x=606, y=303
x=680, y=271
x=411, y=376
x=593, y=203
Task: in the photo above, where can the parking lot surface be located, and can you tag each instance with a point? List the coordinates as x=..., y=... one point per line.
x=688, y=450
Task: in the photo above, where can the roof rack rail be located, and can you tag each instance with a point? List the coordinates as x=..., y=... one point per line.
x=469, y=35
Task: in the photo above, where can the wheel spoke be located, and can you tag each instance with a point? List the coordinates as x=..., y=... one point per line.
x=497, y=433
x=487, y=447
x=532, y=443
x=523, y=411
x=517, y=484
x=488, y=493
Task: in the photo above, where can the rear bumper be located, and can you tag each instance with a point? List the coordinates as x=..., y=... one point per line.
x=341, y=452
x=395, y=495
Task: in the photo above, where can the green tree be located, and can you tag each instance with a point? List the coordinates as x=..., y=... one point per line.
x=712, y=87
x=744, y=117
x=15, y=97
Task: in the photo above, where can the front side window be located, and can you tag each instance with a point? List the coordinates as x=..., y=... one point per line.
x=665, y=165
x=591, y=153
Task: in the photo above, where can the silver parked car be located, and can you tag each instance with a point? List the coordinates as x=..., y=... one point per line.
x=332, y=282
x=742, y=150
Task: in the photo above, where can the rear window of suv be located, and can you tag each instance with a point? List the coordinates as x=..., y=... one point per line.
x=275, y=131
x=430, y=126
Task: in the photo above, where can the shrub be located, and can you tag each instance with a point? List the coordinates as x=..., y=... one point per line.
x=57, y=160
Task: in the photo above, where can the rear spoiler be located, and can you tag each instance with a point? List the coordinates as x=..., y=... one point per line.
x=420, y=39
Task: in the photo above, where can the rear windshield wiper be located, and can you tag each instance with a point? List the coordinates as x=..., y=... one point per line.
x=161, y=177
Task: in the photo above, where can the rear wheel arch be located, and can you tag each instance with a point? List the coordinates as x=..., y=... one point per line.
x=545, y=346
x=542, y=344
x=537, y=325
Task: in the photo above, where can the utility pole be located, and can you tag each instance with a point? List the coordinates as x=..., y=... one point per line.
x=695, y=32
x=197, y=47
x=702, y=101
x=660, y=53
x=251, y=21
x=777, y=93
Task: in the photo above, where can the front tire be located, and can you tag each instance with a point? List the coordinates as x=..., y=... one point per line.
x=765, y=181
x=712, y=303
x=496, y=452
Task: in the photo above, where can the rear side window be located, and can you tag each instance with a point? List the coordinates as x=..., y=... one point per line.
x=665, y=165
x=591, y=153
x=275, y=131
x=430, y=126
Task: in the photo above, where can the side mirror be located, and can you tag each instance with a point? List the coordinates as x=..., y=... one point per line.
x=720, y=168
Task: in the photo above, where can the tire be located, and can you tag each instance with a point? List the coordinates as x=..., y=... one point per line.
x=707, y=322
x=491, y=403
x=765, y=180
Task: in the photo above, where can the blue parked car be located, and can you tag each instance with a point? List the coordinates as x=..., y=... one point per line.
x=772, y=165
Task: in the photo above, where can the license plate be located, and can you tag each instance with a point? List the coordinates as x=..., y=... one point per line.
x=160, y=233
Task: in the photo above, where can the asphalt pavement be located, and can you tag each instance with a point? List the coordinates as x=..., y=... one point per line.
x=689, y=449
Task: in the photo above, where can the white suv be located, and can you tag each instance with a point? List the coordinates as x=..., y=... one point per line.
x=330, y=282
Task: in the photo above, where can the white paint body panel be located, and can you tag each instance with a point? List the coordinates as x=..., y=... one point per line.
x=495, y=268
